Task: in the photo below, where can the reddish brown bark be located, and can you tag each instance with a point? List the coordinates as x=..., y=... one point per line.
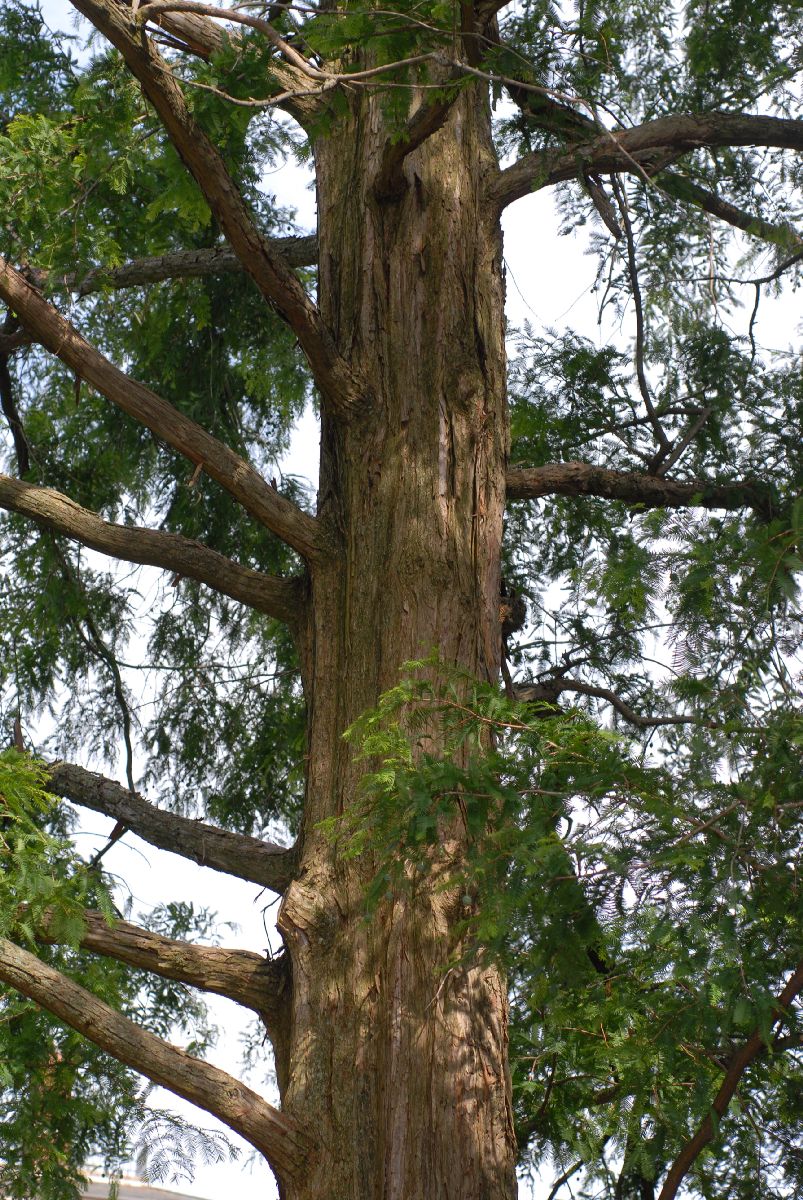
x=399, y=1063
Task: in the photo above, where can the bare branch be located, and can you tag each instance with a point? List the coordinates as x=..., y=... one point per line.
x=564, y=1178
x=269, y=270
x=248, y=858
x=548, y=692
x=274, y=1134
x=199, y=35
x=195, y=34
x=248, y=979
x=642, y=148
x=9, y=342
x=280, y=598
x=237, y=476
x=180, y=264
x=556, y=113
x=288, y=52
x=583, y=479
x=665, y=459
x=87, y=630
x=741, y=1060
x=635, y=287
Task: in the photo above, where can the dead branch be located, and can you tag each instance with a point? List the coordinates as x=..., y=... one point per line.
x=9, y=335
x=738, y=1064
x=180, y=264
x=548, y=692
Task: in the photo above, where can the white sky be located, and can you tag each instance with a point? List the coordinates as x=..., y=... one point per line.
x=548, y=282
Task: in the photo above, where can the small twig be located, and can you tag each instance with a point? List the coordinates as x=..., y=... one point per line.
x=632, y=270
x=564, y=1178
x=227, y=14
x=701, y=828
x=681, y=445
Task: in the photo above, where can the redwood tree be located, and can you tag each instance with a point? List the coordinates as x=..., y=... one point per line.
x=543, y=904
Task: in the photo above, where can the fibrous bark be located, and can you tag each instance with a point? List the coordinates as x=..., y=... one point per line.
x=397, y=1060
x=393, y=1064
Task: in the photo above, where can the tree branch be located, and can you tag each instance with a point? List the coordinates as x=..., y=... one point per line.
x=248, y=979
x=428, y=118
x=635, y=287
x=9, y=342
x=680, y=188
x=9, y=330
x=196, y=34
x=237, y=476
x=548, y=692
x=269, y=270
x=583, y=479
x=180, y=264
x=547, y=111
x=741, y=1060
x=274, y=1134
x=201, y=36
x=637, y=148
x=214, y=12
x=280, y=598
x=248, y=858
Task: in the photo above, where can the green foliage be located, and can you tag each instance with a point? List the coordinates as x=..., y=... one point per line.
x=646, y=918
x=38, y=882
x=168, y=1148
x=504, y=776
x=50, y=1077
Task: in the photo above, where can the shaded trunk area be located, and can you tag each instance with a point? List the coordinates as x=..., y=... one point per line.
x=397, y=1064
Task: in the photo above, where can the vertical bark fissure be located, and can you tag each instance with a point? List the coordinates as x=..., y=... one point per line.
x=398, y=1063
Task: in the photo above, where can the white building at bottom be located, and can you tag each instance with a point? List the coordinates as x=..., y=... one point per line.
x=129, y=1188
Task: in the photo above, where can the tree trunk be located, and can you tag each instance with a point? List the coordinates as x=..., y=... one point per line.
x=398, y=1064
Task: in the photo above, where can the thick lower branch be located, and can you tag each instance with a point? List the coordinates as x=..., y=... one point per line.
x=249, y=979
x=232, y=472
x=237, y=854
x=275, y=1135
x=280, y=598
x=583, y=479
